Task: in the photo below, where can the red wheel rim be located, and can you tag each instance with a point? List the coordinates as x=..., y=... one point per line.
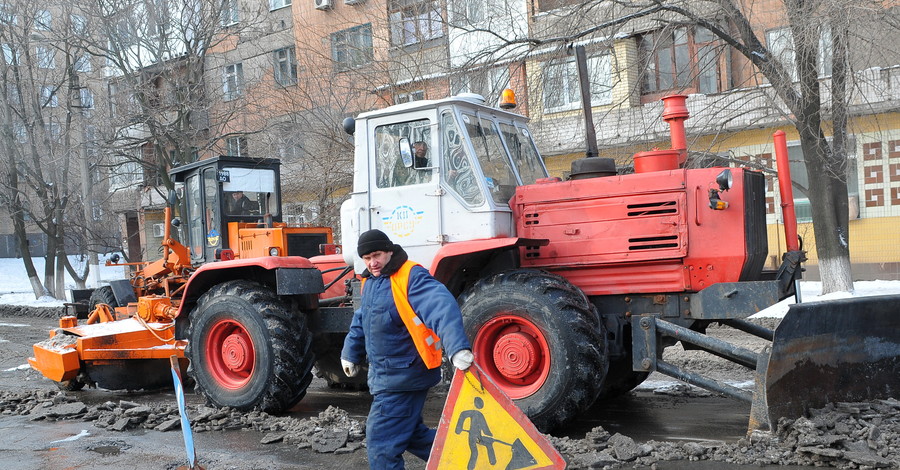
x=514, y=352
x=230, y=352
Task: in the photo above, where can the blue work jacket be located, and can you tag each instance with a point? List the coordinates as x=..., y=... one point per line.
x=377, y=332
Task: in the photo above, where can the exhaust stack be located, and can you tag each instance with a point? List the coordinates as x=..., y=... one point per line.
x=675, y=112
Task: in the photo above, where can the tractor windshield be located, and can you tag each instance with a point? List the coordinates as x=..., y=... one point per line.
x=250, y=192
x=505, y=153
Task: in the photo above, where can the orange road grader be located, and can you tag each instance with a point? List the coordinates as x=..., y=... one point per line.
x=570, y=289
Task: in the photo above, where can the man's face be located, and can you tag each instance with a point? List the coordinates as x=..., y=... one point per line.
x=420, y=150
x=237, y=195
x=376, y=260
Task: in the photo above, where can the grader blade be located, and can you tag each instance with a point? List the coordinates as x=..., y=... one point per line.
x=826, y=352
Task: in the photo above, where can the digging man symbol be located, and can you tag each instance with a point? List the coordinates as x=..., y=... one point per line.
x=479, y=433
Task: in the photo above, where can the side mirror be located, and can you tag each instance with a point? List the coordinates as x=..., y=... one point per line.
x=173, y=197
x=406, y=152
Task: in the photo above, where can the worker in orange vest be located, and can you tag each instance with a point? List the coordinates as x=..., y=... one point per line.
x=405, y=320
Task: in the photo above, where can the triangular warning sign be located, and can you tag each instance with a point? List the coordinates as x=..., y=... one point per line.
x=481, y=428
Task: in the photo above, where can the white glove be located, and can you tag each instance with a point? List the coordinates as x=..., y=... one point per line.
x=462, y=360
x=350, y=369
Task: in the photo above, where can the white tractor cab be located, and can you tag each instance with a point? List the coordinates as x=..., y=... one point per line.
x=432, y=172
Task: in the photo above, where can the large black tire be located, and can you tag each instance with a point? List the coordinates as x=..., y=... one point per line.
x=540, y=340
x=247, y=350
x=328, y=363
x=102, y=295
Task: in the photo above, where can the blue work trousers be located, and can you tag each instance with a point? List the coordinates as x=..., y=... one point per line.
x=394, y=426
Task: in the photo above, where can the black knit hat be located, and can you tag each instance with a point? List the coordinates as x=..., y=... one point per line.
x=373, y=240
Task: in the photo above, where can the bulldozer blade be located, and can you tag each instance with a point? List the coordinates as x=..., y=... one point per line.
x=828, y=352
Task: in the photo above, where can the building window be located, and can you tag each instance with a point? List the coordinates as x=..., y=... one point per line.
x=684, y=58
x=86, y=97
x=127, y=171
x=467, y=12
x=79, y=24
x=276, y=4
x=352, y=47
x=408, y=97
x=233, y=81
x=285, y=66
x=12, y=93
x=46, y=57
x=11, y=54
x=781, y=46
x=83, y=63
x=561, y=85
x=415, y=21
x=488, y=83
x=48, y=97
x=7, y=16
x=42, y=20
x=236, y=147
x=229, y=14
x=113, y=98
x=801, y=178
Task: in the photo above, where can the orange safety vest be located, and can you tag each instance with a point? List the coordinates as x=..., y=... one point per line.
x=426, y=340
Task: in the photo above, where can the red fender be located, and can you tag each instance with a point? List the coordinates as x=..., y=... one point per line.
x=453, y=255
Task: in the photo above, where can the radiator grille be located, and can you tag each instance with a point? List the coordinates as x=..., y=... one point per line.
x=305, y=244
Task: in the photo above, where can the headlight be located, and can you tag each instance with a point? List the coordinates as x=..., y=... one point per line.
x=274, y=251
x=725, y=180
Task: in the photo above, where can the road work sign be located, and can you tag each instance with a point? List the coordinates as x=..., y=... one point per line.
x=481, y=428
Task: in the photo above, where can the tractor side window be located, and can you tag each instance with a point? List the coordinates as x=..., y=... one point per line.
x=498, y=174
x=524, y=155
x=457, y=171
x=211, y=208
x=389, y=168
x=196, y=238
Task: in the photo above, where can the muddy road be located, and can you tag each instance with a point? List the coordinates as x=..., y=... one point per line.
x=662, y=425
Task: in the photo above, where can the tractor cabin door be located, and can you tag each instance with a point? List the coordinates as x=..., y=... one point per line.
x=404, y=196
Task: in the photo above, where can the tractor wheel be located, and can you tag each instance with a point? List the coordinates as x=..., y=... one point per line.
x=247, y=350
x=102, y=295
x=329, y=368
x=540, y=340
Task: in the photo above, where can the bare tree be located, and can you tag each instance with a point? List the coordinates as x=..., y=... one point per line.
x=43, y=131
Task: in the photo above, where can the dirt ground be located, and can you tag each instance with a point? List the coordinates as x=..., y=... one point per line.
x=40, y=426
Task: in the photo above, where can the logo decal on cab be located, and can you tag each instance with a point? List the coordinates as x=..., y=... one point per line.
x=403, y=221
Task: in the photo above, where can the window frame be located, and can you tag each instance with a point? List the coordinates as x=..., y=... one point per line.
x=689, y=51
x=409, y=19
x=233, y=81
x=601, y=93
x=230, y=14
x=43, y=20
x=346, y=41
x=49, y=99
x=285, y=65
x=45, y=57
x=237, y=146
x=278, y=4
